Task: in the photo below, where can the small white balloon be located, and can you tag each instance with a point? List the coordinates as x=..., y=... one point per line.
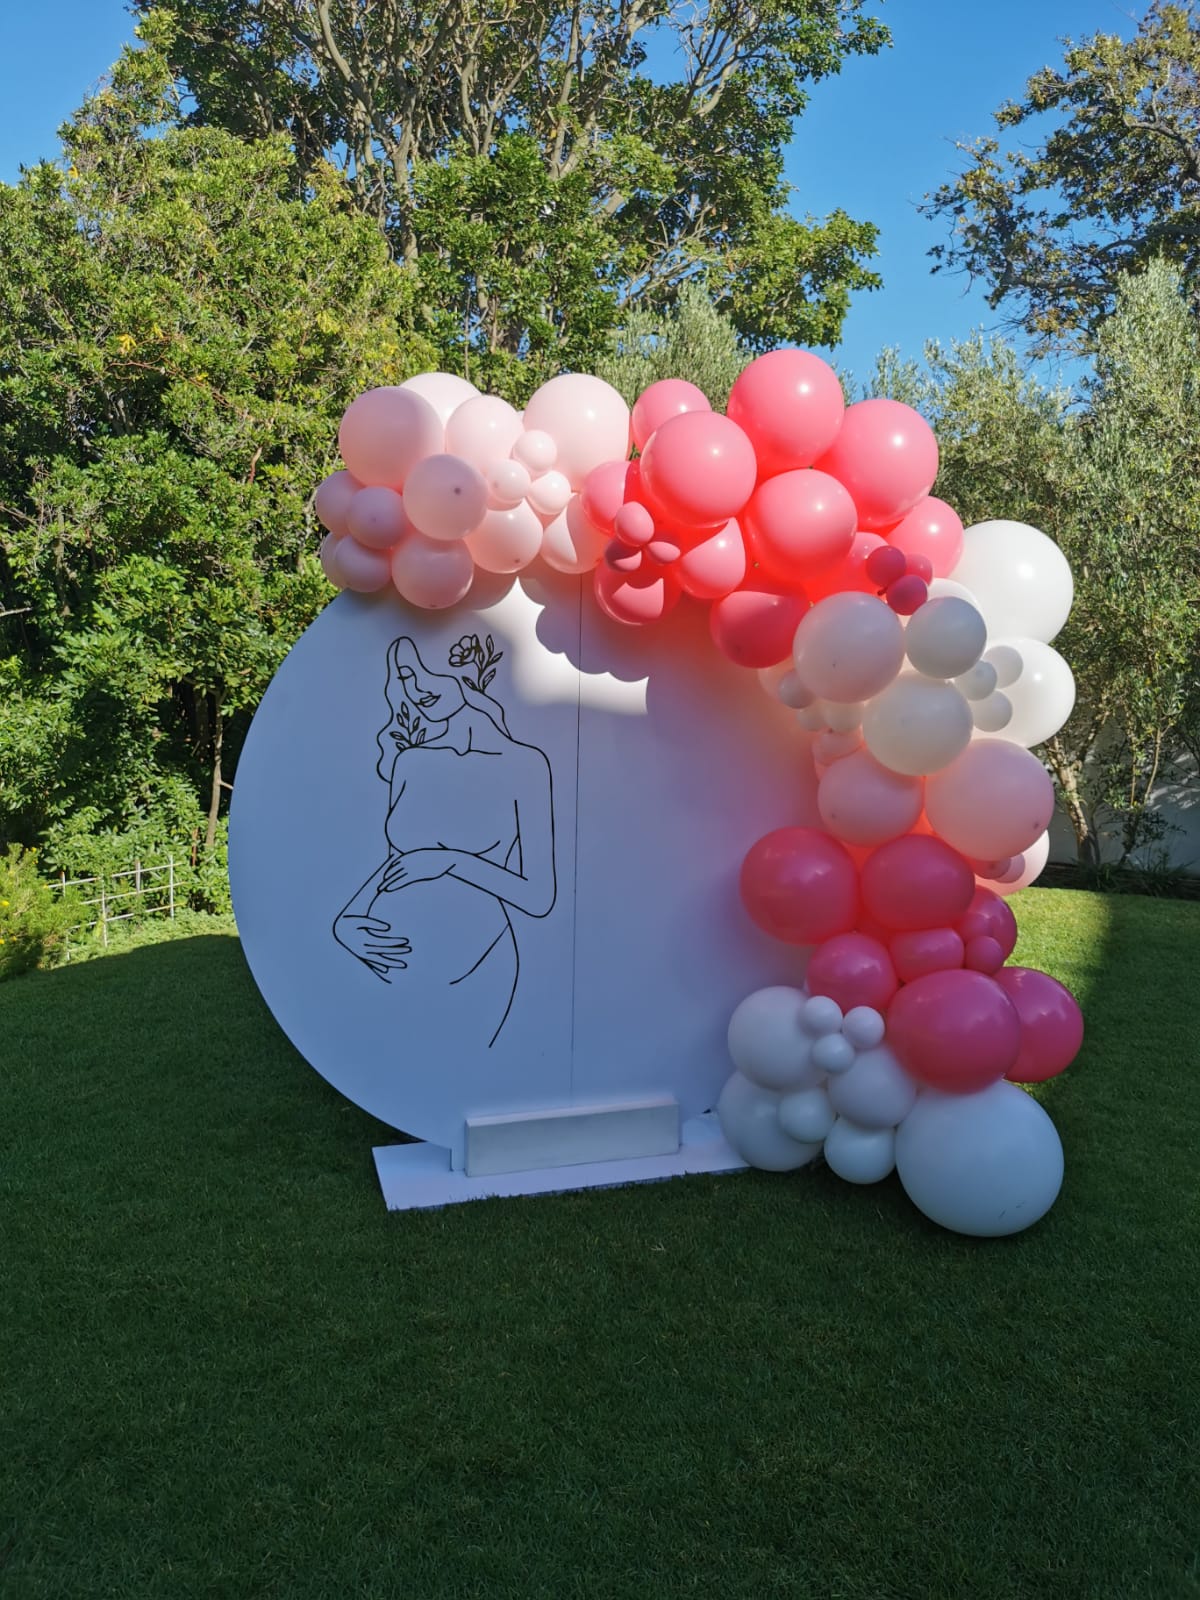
x=830, y=747
x=1042, y=695
x=833, y=1053
x=793, y=691
x=768, y=1041
x=864, y=1027
x=1007, y=662
x=860, y=1155
x=849, y=646
x=993, y=714
x=943, y=588
x=917, y=725
x=978, y=682
x=822, y=1015
x=811, y=719
x=806, y=1115
x=842, y=715
x=945, y=637
x=1020, y=577
x=876, y=1092
x=749, y=1117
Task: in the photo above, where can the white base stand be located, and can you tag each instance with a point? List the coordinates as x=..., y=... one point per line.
x=418, y=1177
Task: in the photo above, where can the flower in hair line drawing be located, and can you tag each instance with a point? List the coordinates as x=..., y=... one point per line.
x=482, y=659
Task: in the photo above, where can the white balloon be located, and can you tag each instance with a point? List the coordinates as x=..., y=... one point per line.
x=806, y=1115
x=945, y=637
x=749, y=1116
x=849, y=646
x=842, y=715
x=994, y=714
x=979, y=682
x=1033, y=863
x=833, y=1054
x=1021, y=579
x=1006, y=663
x=860, y=1155
x=811, y=719
x=822, y=1015
x=917, y=725
x=943, y=588
x=792, y=689
x=876, y=1092
x=1042, y=695
x=768, y=1042
x=985, y=1164
x=864, y=1027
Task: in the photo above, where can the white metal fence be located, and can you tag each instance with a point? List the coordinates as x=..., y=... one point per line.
x=139, y=891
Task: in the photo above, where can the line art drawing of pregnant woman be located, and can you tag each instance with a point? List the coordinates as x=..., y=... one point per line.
x=469, y=837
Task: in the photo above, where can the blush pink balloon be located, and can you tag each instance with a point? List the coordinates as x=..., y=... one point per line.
x=669, y=397
x=586, y=418
x=1051, y=1023
x=635, y=598
x=991, y=801
x=755, y=627
x=800, y=886
x=603, y=492
x=445, y=497
x=800, y=523
x=354, y=566
x=548, y=495
x=916, y=882
x=508, y=483
x=506, y=541
x=790, y=405
x=854, y=970
x=385, y=432
x=931, y=529
x=430, y=573
x=572, y=542
x=927, y=950
x=482, y=430
x=887, y=457
x=535, y=450
x=444, y=391
x=700, y=468
x=376, y=518
x=850, y=573
x=989, y=916
x=956, y=1031
x=325, y=556
x=332, y=500
x=864, y=803
x=716, y=566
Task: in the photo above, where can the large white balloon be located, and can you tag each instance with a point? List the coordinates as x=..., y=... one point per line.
x=768, y=1041
x=876, y=1092
x=986, y=1164
x=1042, y=695
x=749, y=1116
x=917, y=725
x=849, y=647
x=860, y=1155
x=1020, y=579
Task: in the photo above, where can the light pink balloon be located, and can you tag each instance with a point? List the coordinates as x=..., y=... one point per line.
x=332, y=500
x=700, y=468
x=483, y=430
x=716, y=566
x=325, y=556
x=376, y=518
x=864, y=803
x=548, y=495
x=444, y=391
x=353, y=566
x=586, y=418
x=1032, y=863
x=385, y=432
x=932, y=529
x=506, y=541
x=445, y=497
x=790, y=405
x=993, y=800
x=886, y=455
x=637, y=598
x=535, y=450
x=849, y=647
x=508, y=483
x=669, y=397
x=572, y=542
x=431, y=574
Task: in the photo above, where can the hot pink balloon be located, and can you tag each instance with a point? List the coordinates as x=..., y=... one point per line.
x=755, y=627
x=931, y=529
x=633, y=525
x=854, y=970
x=956, y=1031
x=799, y=885
x=716, y=566
x=354, y=566
x=636, y=598
x=917, y=882
x=376, y=518
x=927, y=950
x=572, y=542
x=983, y=954
x=482, y=430
x=886, y=455
x=603, y=492
x=800, y=522
x=586, y=418
x=1051, y=1023
x=790, y=405
x=989, y=916
x=332, y=500
x=431, y=574
x=506, y=541
x=669, y=397
x=700, y=468
x=385, y=432
x=862, y=802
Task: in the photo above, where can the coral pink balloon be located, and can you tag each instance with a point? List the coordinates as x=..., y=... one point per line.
x=572, y=542
x=506, y=541
x=927, y=950
x=586, y=418
x=931, y=529
x=864, y=803
x=755, y=627
x=850, y=573
x=385, y=432
x=716, y=566
x=376, y=518
x=639, y=597
x=799, y=885
x=800, y=523
x=916, y=882
x=332, y=500
x=535, y=450
x=790, y=405
x=991, y=801
x=886, y=455
x=548, y=495
x=669, y=397
x=854, y=970
x=444, y=391
x=633, y=525
x=603, y=492
x=956, y=1031
x=1051, y=1023
x=988, y=916
x=482, y=430
x=444, y=497
x=700, y=468
x=354, y=566
x=430, y=573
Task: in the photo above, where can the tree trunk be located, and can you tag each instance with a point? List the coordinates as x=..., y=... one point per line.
x=214, y=804
x=1087, y=846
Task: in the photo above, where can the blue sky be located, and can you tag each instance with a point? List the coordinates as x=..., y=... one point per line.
x=874, y=141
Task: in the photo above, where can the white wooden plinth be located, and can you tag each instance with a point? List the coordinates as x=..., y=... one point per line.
x=579, y=1136
x=417, y=1177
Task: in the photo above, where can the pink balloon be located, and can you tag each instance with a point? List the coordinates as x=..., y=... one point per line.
x=508, y=483
x=586, y=418
x=854, y=970
x=639, y=597
x=931, y=529
x=991, y=801
x=1023, y=869
x=916, y=882
x=862, y=802
x=445, y=497
x=956, y=1031
x=548, y=495
x=535, y=450
x=755, y=627
x=988, y=916
x=506, y=541
x=332, y=500
x=983, y=954
x=572, y=542
x=385, y=432
x=603, y=492
x=886, y=455
x=444, y=391
x=716, y=566
x=669, y=397
x=431, y=574
x=926, y=950
x=799, y=885
x=354, y=566
x=850, y=573
x=700, y=468
x=325, y=556
x=789, y=403
x=799, y=523
x=633, y=525
x=376, y=518
x=1051, y=1023
x=482, y=430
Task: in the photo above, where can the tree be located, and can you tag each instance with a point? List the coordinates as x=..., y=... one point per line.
x=543, y=169
x=693, y=341
x=1113, y=185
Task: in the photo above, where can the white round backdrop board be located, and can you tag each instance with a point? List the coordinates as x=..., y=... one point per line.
x=485, y=861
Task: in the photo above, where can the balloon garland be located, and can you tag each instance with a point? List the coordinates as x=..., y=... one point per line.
x=915, y=654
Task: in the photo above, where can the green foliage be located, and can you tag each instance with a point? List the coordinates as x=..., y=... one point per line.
x=34, y=918
x=693, y=340
x=1113, y=184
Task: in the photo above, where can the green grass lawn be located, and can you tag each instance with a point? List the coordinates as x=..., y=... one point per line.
x=230, y=1372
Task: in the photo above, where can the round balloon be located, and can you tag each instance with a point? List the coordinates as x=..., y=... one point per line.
x=1020, y=578
x=886, y=455
x=1051, y=1023
x=799, y=885
x=993, y=801
x=1042, y=695
x=790, y=405
x=876, y=1092
x=587, y=419
x=955, y=1031
x=860, y=1155
x=749, y=1117
x=917, y=725
x=767, y=1040
x=849, y=647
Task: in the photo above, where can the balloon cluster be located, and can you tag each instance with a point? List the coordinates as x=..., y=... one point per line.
x=917, y=659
